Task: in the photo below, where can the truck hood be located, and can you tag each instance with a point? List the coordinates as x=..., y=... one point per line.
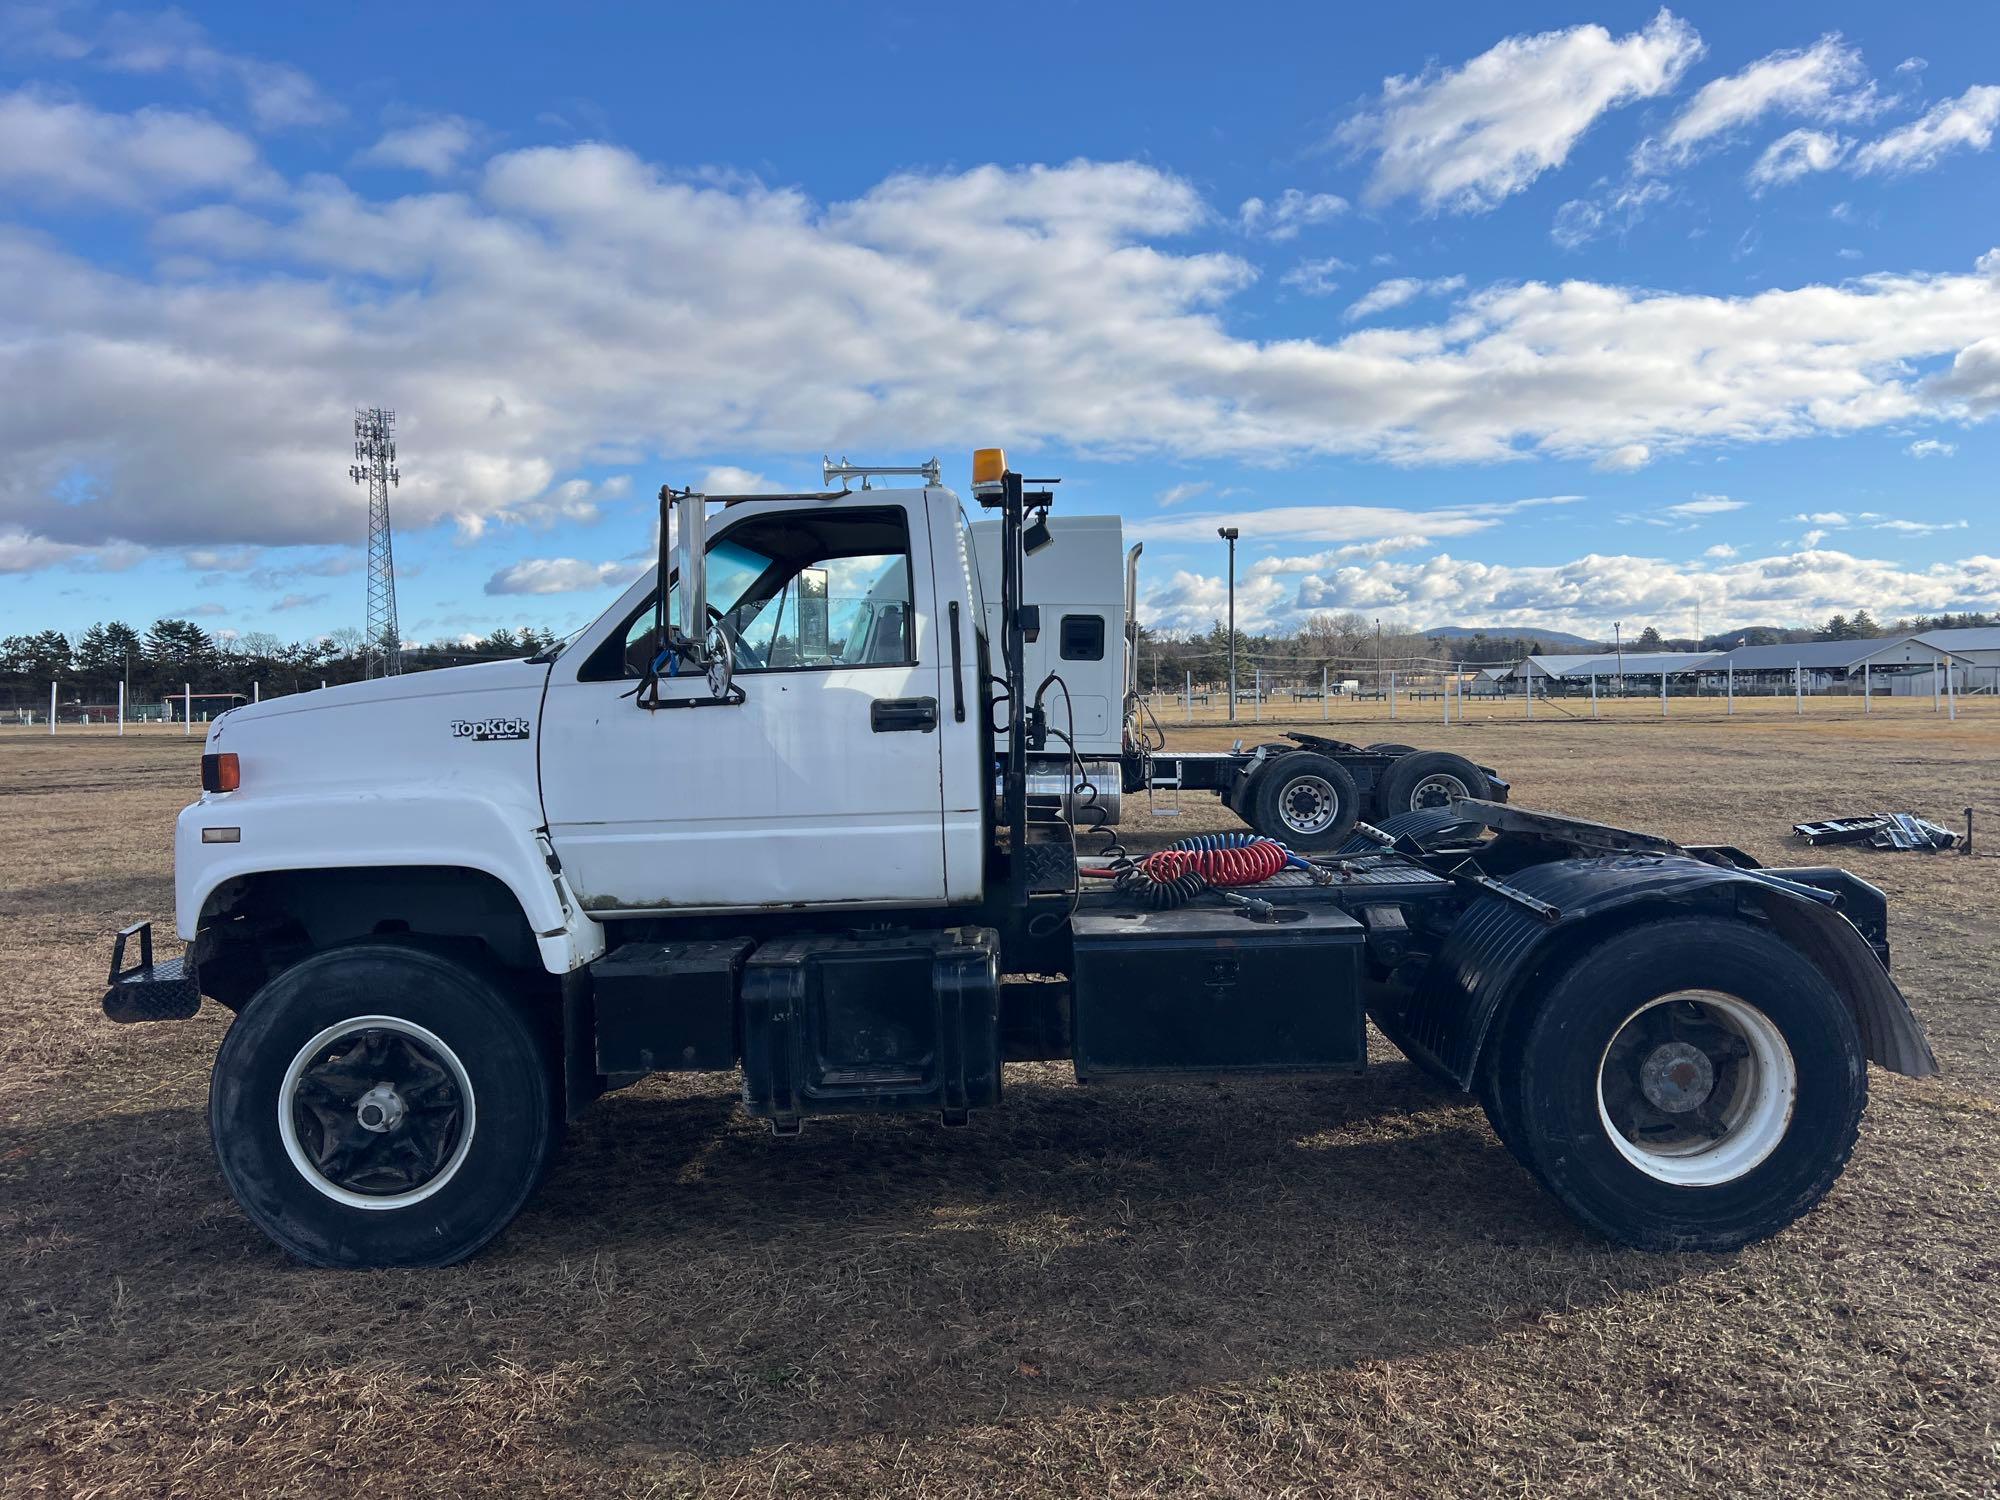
x=479, y=679
x=468, y=730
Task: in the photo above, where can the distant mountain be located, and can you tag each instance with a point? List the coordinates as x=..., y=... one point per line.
x=1553, y=640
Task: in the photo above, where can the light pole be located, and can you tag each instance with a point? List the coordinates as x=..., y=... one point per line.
x=1378, y=658
x=1618, y=630
x=1229, y=535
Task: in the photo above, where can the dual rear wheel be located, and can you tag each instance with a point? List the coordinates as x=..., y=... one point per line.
x=1310, y=801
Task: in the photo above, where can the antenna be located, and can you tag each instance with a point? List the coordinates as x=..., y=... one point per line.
x=375, y=466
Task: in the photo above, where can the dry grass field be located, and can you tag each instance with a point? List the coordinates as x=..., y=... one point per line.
x=1345, y=1287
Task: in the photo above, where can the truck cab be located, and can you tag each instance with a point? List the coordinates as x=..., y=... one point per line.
x=849, y=773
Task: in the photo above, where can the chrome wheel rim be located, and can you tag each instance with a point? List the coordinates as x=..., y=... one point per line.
x=1308, y=805
x=1440, y=789
x=376, y=1112
x=1697, y=1088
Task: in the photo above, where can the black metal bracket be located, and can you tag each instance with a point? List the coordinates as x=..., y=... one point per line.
x=119, y=972
x=732, y=699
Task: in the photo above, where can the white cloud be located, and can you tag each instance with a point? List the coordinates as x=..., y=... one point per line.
x=1706, y=505
x=1399, y=290
x=1824, y=517
x=59, y=150
x=1823, y=82
x=1625, y=460
x=1814, y=538
x=1721, y=550
x=1588, y=593
x=276, y=95
x=728, y=479
x=1794, y=154
x=1582, y=220
x=1462, y=139
x=1965, y=122
x=1293, y=211
x=563, y=575
x=578, y=309
x=1973, y=381
x=576, y=500
x=1315, y=277
x=1315, y=562
x=1921, y=528
x=1931, y=448
x=432, y=146
x=1177, y=494
x=1343, y=523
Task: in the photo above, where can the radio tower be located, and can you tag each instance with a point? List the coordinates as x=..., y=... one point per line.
x=375, y=466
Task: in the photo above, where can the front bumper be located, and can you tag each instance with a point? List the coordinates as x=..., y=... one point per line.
x=167, y=990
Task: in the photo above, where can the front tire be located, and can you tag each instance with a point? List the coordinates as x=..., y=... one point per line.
x=1689, y=1084
x=382, y=1106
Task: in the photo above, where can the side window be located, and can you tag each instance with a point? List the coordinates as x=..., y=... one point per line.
x=800, y=590
x=1082, y=638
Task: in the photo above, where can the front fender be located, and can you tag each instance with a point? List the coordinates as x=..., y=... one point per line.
x=439, y=825
x=1497, y=952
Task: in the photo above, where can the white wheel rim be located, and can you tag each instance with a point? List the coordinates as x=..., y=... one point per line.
x=302, y=1159
x=1744, y=1075
x=1317, y=807
x=1440, y=789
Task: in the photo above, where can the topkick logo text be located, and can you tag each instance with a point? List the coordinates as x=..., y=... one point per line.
x=490, y=729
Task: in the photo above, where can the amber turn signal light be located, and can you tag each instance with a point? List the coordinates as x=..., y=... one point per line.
x=221, y=773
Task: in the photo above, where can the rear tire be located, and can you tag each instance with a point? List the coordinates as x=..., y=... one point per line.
x=1430, y=778
x=1306, y=801
x=381, y=1105
x=1388, y=747
x=1689, y=1084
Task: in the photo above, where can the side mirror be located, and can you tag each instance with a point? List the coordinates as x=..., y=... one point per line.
x=690, y=559
x=691, y=637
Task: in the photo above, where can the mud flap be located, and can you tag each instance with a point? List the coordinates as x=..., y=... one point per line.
x=1498, y=951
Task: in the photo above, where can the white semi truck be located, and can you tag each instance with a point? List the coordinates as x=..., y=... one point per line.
x=1308, y=789
x=784, y=821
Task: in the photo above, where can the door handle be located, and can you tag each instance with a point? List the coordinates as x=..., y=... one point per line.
x=898, y=715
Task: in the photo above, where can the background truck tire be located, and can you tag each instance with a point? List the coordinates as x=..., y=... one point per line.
x=1241, y=796
x=379, y=1105
x=1689, y=1084
x=1305, y=800
x=1429, y=778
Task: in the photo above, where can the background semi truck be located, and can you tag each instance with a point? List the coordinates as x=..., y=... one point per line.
x=1306, y=789
x=783, y=820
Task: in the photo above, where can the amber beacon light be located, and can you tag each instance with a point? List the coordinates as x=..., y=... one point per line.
x=989, y=465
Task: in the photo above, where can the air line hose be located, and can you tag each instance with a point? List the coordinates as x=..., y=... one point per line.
x=1174, y=876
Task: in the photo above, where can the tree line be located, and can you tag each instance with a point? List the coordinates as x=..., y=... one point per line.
x=153, y=664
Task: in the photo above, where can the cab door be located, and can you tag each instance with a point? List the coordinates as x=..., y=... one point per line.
x=823, y=787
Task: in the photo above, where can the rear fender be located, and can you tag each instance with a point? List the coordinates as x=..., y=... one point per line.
x=1497, y=953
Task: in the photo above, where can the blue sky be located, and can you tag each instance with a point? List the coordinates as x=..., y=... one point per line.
x=1592, y=313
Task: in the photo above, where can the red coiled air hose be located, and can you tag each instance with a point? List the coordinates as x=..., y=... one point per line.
x=1249, y=863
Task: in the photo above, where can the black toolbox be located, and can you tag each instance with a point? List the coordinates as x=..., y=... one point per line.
x=1206, y=991
x=898, y=1020
x=666, y=1007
